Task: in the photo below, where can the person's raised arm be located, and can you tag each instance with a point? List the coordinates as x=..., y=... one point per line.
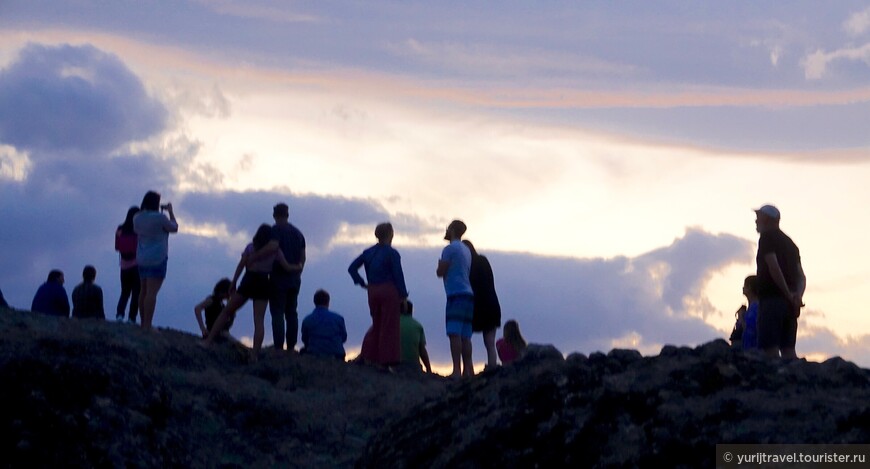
x=171, y=225
x=353, y=270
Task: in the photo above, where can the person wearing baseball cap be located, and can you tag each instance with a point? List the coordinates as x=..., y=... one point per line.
x=781, y=285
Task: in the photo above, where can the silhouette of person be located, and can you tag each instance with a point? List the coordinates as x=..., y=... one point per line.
x=736, y=337
x=87, y=297
x=254, y=286
x=750, y=329
x=386, y=291
x=512, y=345
x=126, y=243
x=781, y=285
x=413, y=340
x=323, y=331
x=454, y=268
x=487, y=310
x=212, y=306
x=152, y=252
x=284, y=284
x=51, y=297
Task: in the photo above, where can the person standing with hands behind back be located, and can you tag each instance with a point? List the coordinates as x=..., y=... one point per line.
x=152, y=228
x=781, y=285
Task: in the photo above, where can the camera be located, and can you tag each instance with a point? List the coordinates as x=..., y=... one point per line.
x=164, y=207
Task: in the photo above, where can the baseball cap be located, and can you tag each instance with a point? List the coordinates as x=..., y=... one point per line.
x=769, y=210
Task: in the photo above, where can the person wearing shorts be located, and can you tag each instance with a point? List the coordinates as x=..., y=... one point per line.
x=152, y=229
x=255, y=286
x=454, y=268
x=781, y=285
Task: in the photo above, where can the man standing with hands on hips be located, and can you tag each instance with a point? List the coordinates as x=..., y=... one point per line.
x=454, y=268
x=781, y=285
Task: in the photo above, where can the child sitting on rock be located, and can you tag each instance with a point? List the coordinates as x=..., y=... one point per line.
x=212, y=306
x=512, y=344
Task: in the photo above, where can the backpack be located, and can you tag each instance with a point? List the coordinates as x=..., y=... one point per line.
x=125, y=243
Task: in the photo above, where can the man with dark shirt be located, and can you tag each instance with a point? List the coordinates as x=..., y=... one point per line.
x=51, y=297
x=781, y=285
x=285, y=285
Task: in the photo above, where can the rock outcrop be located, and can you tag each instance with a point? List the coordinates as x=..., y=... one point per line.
x=624, y=410
x=87, y=393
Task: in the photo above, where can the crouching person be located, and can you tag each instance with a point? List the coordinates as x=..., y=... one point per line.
x=323, y=331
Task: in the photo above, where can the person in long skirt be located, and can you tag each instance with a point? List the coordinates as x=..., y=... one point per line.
x=385, y=283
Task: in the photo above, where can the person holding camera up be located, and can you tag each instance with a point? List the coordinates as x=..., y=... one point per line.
x=152, y=252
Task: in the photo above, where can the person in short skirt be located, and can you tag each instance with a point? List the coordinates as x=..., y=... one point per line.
x=254, y=286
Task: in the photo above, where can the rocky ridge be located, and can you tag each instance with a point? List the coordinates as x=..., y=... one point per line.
x=625, y=410
x=88, y=393
x=84, y=393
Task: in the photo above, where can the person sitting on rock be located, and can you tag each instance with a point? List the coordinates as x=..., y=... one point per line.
x=413, y=340
x=87, y=297
x=254, y=286
x=51, y=297
x=512, y=344
x=212, y=306
x=323, y=331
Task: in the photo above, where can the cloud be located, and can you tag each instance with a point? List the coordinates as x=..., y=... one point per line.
x=252, y=10
x=683, y=268
x=73, y=98
x=321, y=218
x=858, y=23
x=816, y=64
x=822, y=342
x=516, y=62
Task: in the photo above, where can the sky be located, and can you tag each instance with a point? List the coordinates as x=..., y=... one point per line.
x=606, y=156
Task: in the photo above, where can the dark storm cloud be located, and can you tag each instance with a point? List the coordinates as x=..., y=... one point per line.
x=67, y=108
x=73, y=98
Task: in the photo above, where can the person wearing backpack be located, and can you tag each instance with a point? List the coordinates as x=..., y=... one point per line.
x=125, y=243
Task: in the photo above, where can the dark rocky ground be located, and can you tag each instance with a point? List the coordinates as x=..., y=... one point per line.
x=85, y=393
x=101, y=394
x=624, y=410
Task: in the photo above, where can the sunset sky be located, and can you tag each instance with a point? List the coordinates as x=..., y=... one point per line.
x=606, y=156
